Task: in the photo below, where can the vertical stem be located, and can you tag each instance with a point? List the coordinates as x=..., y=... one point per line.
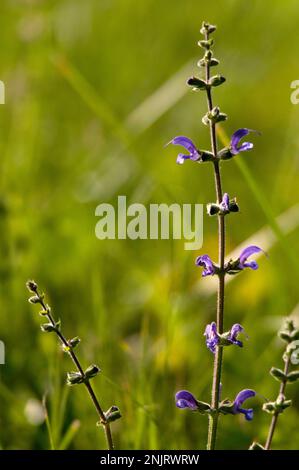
x=276, y=414
x=213, y=419
x=87, y=384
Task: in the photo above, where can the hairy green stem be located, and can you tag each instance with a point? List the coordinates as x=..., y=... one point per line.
x=213, y=419
x=86, y=382
x=276, y=414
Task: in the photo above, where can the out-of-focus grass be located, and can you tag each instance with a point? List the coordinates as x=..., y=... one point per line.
x=94, y=90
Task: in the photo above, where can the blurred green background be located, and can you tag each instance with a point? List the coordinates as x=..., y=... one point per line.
x=94, y=89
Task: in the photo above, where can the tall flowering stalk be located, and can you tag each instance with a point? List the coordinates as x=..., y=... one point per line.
x=290, y=334
x=80, y=376
x=216, y=337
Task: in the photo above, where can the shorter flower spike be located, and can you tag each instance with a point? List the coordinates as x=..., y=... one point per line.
x=185, y=399
x=206, y=262
x=239, y=400
x=235, y=140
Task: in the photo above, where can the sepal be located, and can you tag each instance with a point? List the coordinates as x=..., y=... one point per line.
x=293, y=376
x=278, y=406
x=112, y=414
x=225, y=154
x=278, y=374
x=226, y=407
x=207, y=28
x=216, y=80
x=49, y=327
x=203, y=408
x=92, y=371
x=74, y=378
x=197, y=83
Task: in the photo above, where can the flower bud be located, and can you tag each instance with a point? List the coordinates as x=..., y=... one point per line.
x=206, y=44
x=233, y=206
x=34, y=299
x=48, y=328
x=92, y=371
x=269, y=407
x=74, y=342
x=43, y=313
x=31, y=286
x=216, y=80
x=207, y=28
x=293, y=376
x=112, y=414
x=289, y=325
x=213, y=62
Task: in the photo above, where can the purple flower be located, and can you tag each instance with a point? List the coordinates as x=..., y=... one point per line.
x=189, y=146
x=239, y=400
x=185, y=399
x=224, y=205
x=212, y=337
x=235, y=140
x=207, y=263
x=235, y=330
x=250, y=250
